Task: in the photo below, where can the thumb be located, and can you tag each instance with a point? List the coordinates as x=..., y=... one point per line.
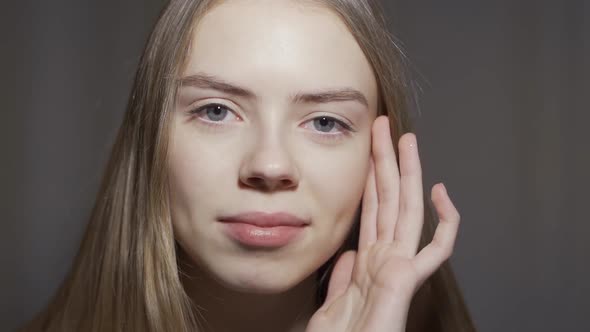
x=341, y=276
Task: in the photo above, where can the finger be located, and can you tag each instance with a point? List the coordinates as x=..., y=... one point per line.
x=411, y=203
x=368, y=231
x=386, y=179
x=440, y=249
x=340, y=278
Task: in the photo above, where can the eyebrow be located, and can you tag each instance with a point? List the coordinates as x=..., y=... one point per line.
x=205, y=81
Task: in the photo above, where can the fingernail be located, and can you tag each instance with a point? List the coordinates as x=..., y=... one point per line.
x=444, y=188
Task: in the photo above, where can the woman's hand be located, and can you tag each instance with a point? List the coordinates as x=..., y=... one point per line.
x=371, y=290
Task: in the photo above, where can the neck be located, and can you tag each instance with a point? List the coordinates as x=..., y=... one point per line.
x=221, y=309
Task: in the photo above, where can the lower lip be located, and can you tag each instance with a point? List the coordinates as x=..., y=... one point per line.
x=264, y=237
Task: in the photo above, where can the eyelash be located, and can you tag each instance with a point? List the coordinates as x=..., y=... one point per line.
x=346, y=129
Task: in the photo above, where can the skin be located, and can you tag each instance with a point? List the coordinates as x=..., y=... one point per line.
x=267, y=151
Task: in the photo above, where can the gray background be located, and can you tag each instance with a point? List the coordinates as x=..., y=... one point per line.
x=502, y=121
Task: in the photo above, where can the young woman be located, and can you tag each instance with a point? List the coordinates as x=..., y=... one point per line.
x=255, y=186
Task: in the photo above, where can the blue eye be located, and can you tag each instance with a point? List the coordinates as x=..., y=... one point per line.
x=214, y=112
x=325, y=124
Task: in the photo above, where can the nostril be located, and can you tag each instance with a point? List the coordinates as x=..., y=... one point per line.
x=268, y=184
x=286, y=182
x=257, y=182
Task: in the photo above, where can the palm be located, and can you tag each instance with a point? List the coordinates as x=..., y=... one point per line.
x=381, y=268
x=371, y=290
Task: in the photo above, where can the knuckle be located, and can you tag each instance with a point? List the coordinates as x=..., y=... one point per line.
x=447, y=250
x=386, y=194
x=413, y=205
x=444, y=249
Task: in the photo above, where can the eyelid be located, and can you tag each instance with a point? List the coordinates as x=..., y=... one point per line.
x=346, y=128
x=194, y=111
x=339, y=121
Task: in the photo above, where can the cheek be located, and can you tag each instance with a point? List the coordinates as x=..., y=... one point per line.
x=187, y=174
x=199, y=162
x=198, y=177
x=337, y=182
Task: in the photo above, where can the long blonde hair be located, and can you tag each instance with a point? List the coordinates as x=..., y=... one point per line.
x=125, y=276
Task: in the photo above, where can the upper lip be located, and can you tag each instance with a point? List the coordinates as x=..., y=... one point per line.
x=265, y=219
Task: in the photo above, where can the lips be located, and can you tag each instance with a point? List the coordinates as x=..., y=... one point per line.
x=263, y=219
x=263, y=230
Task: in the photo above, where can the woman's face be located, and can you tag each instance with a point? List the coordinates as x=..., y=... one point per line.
x=291, y=103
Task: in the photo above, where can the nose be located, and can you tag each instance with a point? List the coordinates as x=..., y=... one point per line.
x=268, y=166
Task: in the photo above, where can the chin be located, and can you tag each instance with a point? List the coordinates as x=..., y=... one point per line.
x=255, y=283
x=247, y=278
x=262, y=289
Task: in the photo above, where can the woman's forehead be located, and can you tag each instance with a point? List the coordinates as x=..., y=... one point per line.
x=287, y=44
